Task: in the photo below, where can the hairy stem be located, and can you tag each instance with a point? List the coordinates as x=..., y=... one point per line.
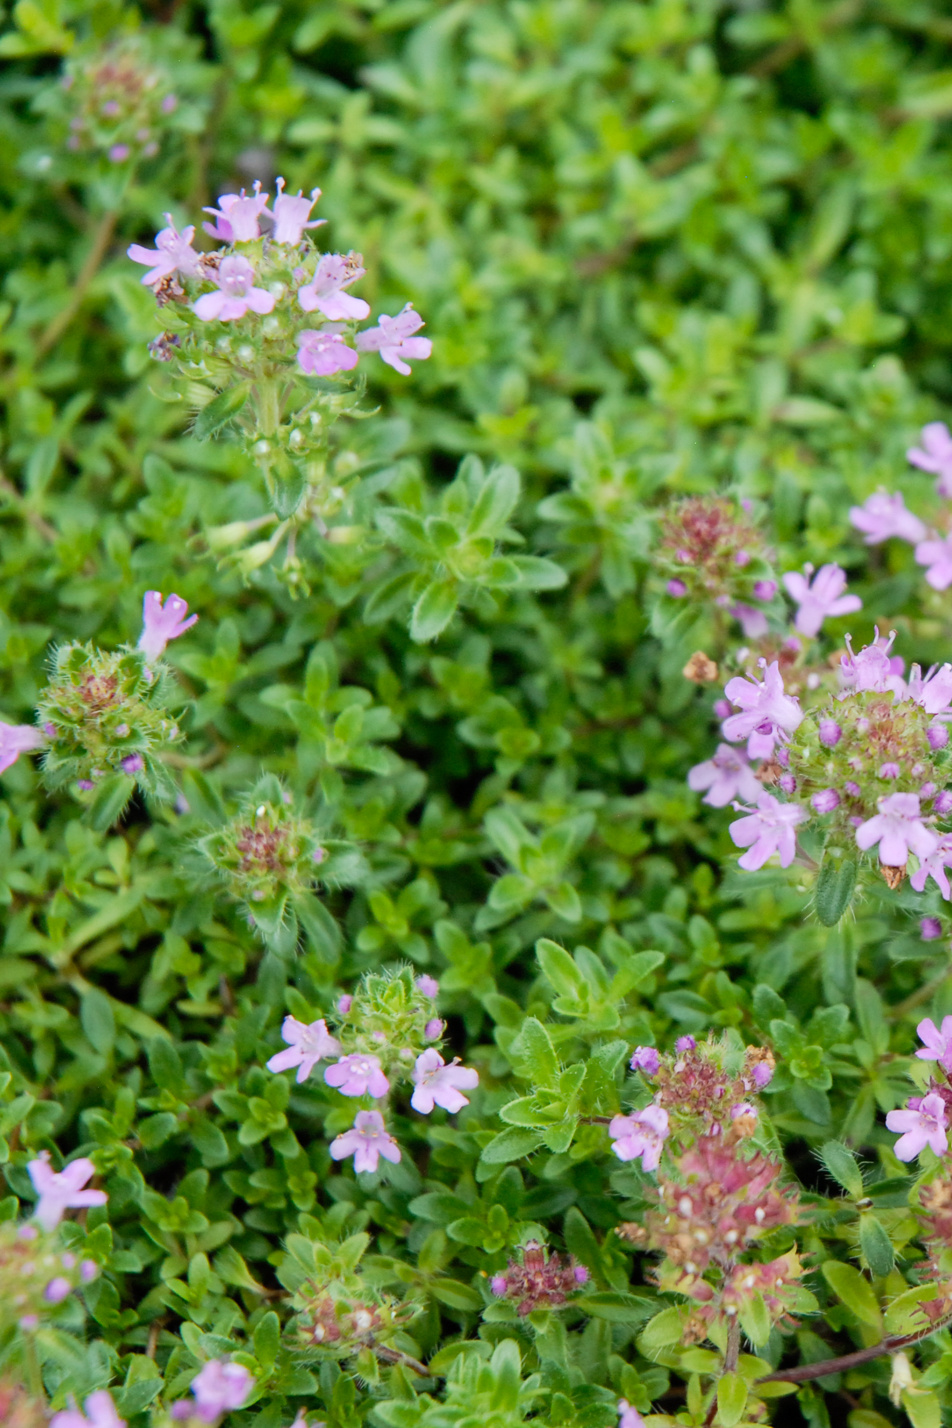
x=806, y=1372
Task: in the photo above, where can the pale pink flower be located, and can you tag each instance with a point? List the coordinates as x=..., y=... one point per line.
x=325, y=292
x=237, y=216
x=367, y=1140
x=220, y=1387
x=173, y=253
x=161, y=623
x=898, y=829
x=17, y=739
x=629, y=1417
x=100, y=1413
x=768, y=715
x=321, y=354
x=936, y=1042
x=291, y=212
x=642, y=1133
x=726, y=776
x=393, y=339
x=765, y=830
x=62, y=1190
x=646, y=1059
x=884, y=515
x=935, y=455
x=428, y=985
x=933, y=865
x=440, y=1085
x=753, y=622
x=762, y=1074
x=821, y=599
x=934, y=692
x=924, y=1125
x=937, y=555
x=357, y=1075
x=307, y=1045
x=872, y=668
x=235, y=294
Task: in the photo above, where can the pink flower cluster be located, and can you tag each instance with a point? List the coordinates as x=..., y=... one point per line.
x=925, y=1120
x=884, y=516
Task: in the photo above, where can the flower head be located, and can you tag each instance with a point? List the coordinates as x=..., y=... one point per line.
x=934, y=692
x=936, y=1042
x=726, y=776
x=173, y=253
x=898, y=829
x=440, y=1085
x=393, y=339
x=884, y=515
x=933, y=865
x=646, y=1059
x=16, y=739
x=325, y=292
x=872, y=669
x=162, y=622
x=641, y=1134
x=321, y=354
x=100, y=1413
x=820, y=600
x=357, y=1075
x=307, y=1045
x=936, y=553
x=367, y=1140
x=765, y=830
x=62, y=1190
x=935, y=455
x=236, y=217
x=768, y=714
x=219, y=1387
x=236, y=293
x=291, y=214
x=924, y=1125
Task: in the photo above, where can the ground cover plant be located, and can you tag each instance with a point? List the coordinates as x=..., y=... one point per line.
x=475, y=688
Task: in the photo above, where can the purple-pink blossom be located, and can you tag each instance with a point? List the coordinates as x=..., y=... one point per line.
x=883, y=515
x=933, y=865
x=934, y=692
x=768, y=715
x=162, y=622
x=898, y=829
x=821, y=599
x=642, y=1133
x=727, y=776
x=357, y=1075
x=17, y=739
x=62, y=1190
x=765, y=589
x=685, y=1043
x=929, y=929
x=936, y=554
x=920, y=1126
x=767, y=829
x=676, y=589
x=321, y=354
x=428, y=986
x=367, y=1140
x=935, y=455
x=236, y=217
x=236, y=293
x=830, y=733
x=629, y=1417
x=825, y=801
x=307, y=1045
x=936, y=1042
x=646, y=1059
x=291, y=214
x=440, y=1085
x=220, y=1387
x=873, y=668
x=753, y=623
x=325, y=292
x=100, y=1413
x=173, y=253
x=393, y=339
x=762, y=1074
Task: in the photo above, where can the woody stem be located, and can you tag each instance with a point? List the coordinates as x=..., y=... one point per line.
x=806, y=1372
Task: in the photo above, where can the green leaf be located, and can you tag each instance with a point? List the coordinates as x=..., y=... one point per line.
x=536, y=1053
x=434, y=610
x=220, y=410
x=559, y=969
x=854, y=1291
x=834, y=889
x=456, y=1295
x=496, y=501
x=109, y=801
x=876, y=1246
x=267, y=1340
x=155, y=1130
x=664, y=1330
x=731, y=1399
x=842, y=1165
x=755, y=1320
x=618, y=1308
x=98, y=1021
x=511, y=1144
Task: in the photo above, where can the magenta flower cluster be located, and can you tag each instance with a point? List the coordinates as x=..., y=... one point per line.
x=925, y=1120
x=883, y=516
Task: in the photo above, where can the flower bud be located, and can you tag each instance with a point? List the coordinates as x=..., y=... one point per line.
x=943, y=801
x=826, y=800
x=830, y=733
x=930, y=928
x=938, y=736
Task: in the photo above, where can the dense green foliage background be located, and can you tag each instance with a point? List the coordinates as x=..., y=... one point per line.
x=661, y=248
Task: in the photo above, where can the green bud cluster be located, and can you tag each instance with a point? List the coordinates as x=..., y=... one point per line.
x=389, y=1013
x=37, y=1272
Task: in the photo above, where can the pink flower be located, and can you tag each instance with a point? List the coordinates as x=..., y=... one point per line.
x=220, y=1387
x=898, y=829
x=393, y=339
x=428, y=985
x=768, y=715
x=440, y=1085
x=307, y=1045
x=766, y=830
x=762, y=1074
x=929, y=929
x=935, y=455
x=291, y=212
x=100, y=1413
x=641, y=1134
x=161, y=623
x=821, y=599
x=826, y=800
x=884, y=515
x=726, y=776
x=753, y=622
x=57, y=1290
x=683, y=1044
x=629, y=1417
x=62, y=1190
x=173, y=253
x=830, y=733
x=357, y=1075
x=937, y=555
x=367, y=1140
x=646, y=1059
x=765, y=589
x=936, y=1041
x=325, y=291
x=433, y=1029
x=676, y=589
x=237, y=216
x=16, y=739
x=872, y=668
x=236, y=293
x=321, y=354
x=924, y=1126
x=934, y=693
x=933, y=865
x=344, y=1003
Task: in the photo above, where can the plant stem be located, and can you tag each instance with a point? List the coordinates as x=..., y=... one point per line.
x=733, y=1346
x=102, y=237
x=806, y=1372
